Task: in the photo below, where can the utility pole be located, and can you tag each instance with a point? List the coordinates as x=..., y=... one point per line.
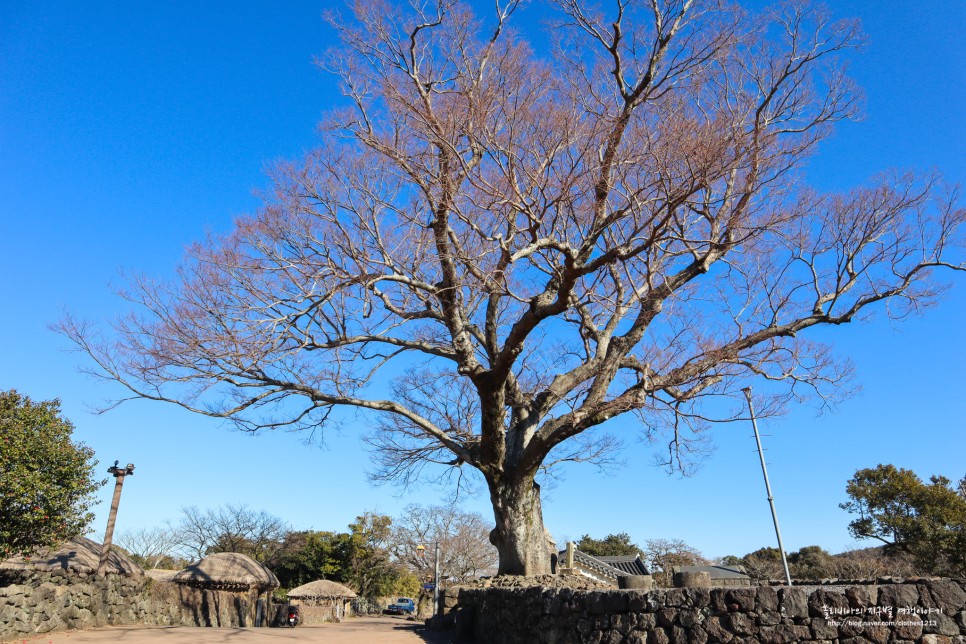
x=421, y=552
x=771, y=499
x=436, y=583
x=119, y=474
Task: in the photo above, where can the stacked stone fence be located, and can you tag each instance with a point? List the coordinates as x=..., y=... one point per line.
x=928, y=611
x=40, y=602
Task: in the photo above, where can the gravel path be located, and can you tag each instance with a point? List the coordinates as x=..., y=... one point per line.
x=359, y=630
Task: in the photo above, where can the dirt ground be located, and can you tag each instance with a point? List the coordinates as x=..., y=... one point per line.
x=358, y=630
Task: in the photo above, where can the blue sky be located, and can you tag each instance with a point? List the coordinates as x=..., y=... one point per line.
x=129, y=129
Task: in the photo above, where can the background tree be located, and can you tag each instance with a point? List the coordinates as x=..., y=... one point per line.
x=927, y=521
x=47, y=481
x=811, y=562
x=359, y=558
x=372, y=572
x=230, y=528
x=155, y=547
x=529, y=246
x=613, y=545
x=306, y=556
x=871, y=563
x=662, y=555
x=465, y=549
x=814, y=562
x=731, y=561
x=764, y=564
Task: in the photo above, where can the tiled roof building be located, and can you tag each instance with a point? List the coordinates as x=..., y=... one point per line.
x=628, y=564
x=604, y=569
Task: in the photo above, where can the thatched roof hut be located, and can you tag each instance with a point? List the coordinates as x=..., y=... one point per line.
x=323, y=601
x=80, y=555
x=321, y=589
x=227, y=571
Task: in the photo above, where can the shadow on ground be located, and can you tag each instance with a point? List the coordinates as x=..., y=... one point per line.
x=418, y=628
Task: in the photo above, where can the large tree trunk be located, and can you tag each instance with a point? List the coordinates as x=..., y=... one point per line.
x=524, y=545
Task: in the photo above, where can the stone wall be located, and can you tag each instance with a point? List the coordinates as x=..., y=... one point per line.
x=47, y=601
x=42, y=602
x=322, y=610
x=168, y=603
x=930, y=611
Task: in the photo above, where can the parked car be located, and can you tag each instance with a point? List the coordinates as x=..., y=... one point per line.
x=402, y=606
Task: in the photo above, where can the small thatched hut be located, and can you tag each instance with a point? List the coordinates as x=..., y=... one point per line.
x=243, y=586
x=79, y=556
x=228, y=571
x=322, y=601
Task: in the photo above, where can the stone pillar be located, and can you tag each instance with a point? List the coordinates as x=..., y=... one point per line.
x=635, y=582
x=692, y=580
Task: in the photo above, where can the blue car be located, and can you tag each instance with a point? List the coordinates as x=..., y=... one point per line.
x=402, y=606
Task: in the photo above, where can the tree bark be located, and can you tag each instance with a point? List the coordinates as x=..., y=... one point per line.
x=524, y=545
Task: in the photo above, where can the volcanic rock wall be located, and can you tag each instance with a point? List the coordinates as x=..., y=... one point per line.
x=929, y=611
x=46, y=601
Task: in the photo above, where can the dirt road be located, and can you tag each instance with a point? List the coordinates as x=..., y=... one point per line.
x=359, y=630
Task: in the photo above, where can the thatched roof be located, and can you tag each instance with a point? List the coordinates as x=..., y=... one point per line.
x=160, y=574
x=320, y=588
x=79, y=555
x=227, y=570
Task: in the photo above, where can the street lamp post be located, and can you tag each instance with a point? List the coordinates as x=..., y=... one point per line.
x=436, y=583
x=119, y=474
x=771, y=499
x=421, y=551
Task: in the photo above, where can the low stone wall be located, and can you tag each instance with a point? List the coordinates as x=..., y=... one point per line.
x=321, y=611
x=44, y=602
x=930, y=611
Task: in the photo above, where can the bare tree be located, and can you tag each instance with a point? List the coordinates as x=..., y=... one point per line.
x=195, y=533
x=663, y=555
x=232, y=528
x=764, y=564
x=869, y=563
x=463, y=537
x=530, y=245
x=152, y=546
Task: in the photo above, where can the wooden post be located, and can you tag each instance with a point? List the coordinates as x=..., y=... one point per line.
x=119, y=474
